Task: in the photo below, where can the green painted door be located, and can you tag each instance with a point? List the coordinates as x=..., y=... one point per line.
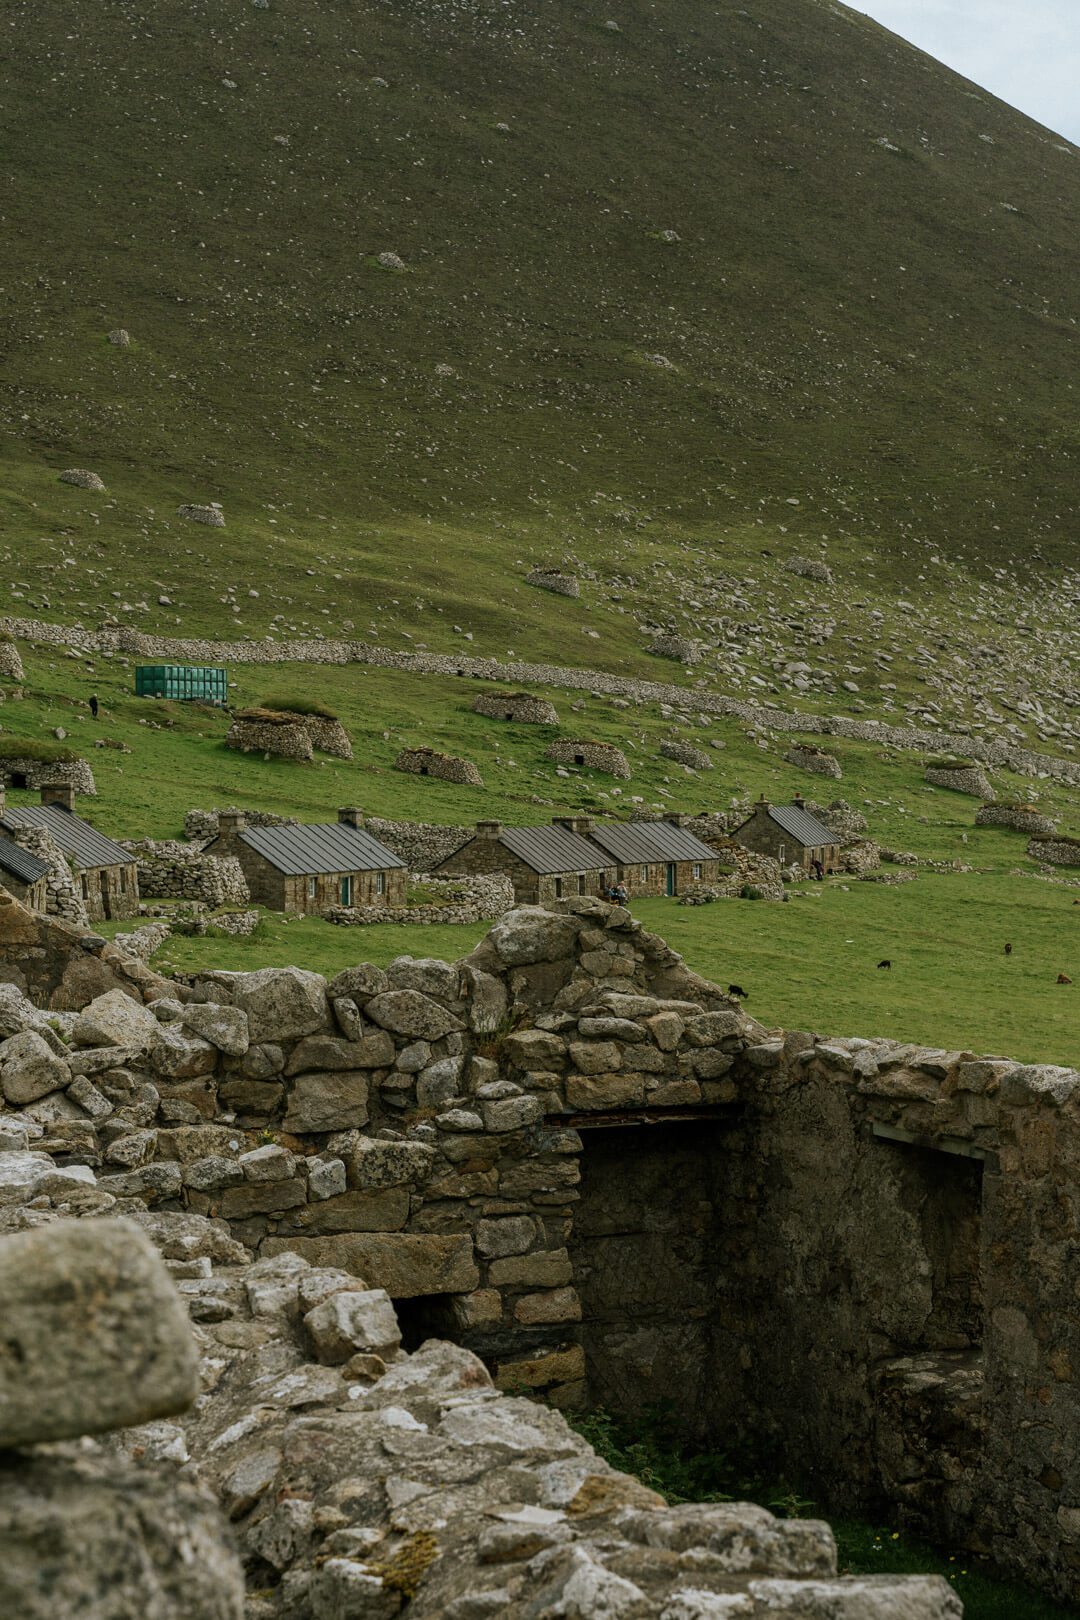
x=671, y=880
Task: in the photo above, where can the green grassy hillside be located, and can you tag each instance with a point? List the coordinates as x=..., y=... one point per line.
x=660, y=281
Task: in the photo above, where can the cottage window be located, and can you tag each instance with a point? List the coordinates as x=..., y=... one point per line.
x=380, y=883
x=346, y=891
x=644, y=874
x=85, y=887
x=311, y=888
x=783, y=853
x=123, y=881
x=697, y=873
x=581, y=883
x=558, y=888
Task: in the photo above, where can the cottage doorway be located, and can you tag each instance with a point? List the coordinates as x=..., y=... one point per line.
x=670, y=881
x=18, y=779
x=346, y=891
x=106, y=908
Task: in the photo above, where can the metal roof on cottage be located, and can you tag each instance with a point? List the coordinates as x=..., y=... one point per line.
x=553, y=849
x=326, y=847
x=19, y=863
x=803, y=827
x=649, y=841
x=74, y=835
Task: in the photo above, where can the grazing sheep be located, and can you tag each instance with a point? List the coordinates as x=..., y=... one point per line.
x=1063, y=978
x=1008, y=950
x=885, y=963
x=737, y=990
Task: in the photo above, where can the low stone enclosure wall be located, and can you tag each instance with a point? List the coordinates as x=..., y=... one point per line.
x=520, y=707
x=10, y=663
x=594, y=756
x=666, y=644
x=685, y=754
x=265, y=733
x=16, y=772
x=446, y=767
x=553, y=579
x=454, y=900
x=1021, y=818
x=172, y=870
x=587, y=1165
x=114, y=638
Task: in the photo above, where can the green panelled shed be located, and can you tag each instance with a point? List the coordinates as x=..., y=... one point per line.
x=202, y=684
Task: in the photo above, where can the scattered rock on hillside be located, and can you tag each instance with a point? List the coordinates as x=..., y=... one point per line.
x=121, y=338
x=81, y=478
x=391, y=261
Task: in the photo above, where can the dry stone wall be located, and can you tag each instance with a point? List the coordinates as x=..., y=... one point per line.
x=553, y=579
x=960, y=779
x=422, y=845
x=171, y=870
x=11, y=668
x=454, y=900
x=1055, y=851
x=666, y=644
x=200, y=826
x=319, y=650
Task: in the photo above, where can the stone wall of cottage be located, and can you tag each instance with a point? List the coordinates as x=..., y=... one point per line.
x=287, y=739
x=172, y=870
x=109, y=891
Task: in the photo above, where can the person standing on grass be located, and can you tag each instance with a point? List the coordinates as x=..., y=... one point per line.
x=93, y=704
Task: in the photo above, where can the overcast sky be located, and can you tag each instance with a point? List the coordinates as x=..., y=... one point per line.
x=1028, y=54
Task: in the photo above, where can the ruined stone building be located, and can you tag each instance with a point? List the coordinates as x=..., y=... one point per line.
x=790, y=834
x=544, y=863
x=312, y=868
x=656, y=857
x=106, y=875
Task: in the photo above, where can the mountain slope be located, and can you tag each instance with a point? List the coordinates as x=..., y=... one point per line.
x=659, y=278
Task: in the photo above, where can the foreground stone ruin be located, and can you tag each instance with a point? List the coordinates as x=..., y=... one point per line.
x=590, y=1169
x=258, y=1425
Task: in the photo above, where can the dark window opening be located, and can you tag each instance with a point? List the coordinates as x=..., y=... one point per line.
x=18, y=779
x=509, y=716
x=423, y=770
x=581, y=883
x=579, y=759
x=942, y=1194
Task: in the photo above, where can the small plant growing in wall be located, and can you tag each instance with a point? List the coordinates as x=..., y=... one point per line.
x=490, y=1038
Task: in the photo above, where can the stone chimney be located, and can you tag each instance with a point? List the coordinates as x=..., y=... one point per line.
x=350, y=816
x=488, y=829
x=678, y=818
x=797, y=801
x=582, y=825
x=230, y=822
x=62, y=794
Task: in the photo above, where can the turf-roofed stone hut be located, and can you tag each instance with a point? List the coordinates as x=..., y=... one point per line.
x=23, y=875
x=447, y=767
x=266, y=731
x=790, y=834
x=543, y=863
x=521, y=707
x=656, y=857
x=593, y=756
x=313, y=868
x=43, y=762
x=106, y=874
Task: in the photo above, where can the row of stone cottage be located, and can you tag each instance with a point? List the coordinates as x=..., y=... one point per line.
x=55, y=861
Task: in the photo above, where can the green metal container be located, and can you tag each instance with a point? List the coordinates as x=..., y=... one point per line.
x=182, y=681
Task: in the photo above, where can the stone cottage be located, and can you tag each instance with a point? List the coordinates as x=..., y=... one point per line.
x=544, y=863
x=790, y=834
x=23, y=875
x=106, y=875
x=656, y=857
x=312, y=868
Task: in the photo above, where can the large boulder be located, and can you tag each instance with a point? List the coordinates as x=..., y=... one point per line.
x=531, y=934
x=29, y=1068
x=101, y=1538
x=282, y=1004
x=114, y=1019
x=95, y=1335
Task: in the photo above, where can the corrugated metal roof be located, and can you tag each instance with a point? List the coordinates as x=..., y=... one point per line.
x=327, y=847
x=807, y=829
x=75, y=836
x=650, y=841
x=20, y=863
x=554, y=849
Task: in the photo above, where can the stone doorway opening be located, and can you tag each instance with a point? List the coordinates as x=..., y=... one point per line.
x=646, y=1248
